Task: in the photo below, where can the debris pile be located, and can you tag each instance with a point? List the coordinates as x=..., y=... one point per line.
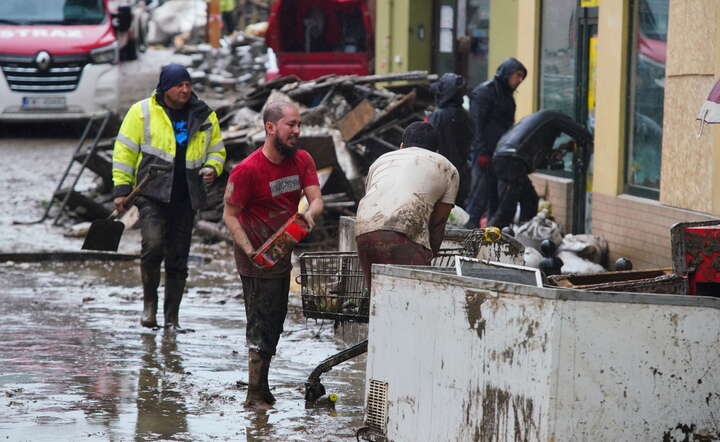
x=547, y=248
x=232, y=69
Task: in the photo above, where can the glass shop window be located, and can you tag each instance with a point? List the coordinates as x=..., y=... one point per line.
x=478, y=26
x=558, y=52
x=558, y=66
x=646, y=94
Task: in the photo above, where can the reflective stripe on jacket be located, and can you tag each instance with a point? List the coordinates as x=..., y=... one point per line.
x=147, y=137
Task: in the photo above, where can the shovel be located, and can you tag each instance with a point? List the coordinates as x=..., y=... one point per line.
x=105, y=234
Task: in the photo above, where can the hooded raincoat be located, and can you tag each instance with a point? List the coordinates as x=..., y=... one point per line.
x=492, y=109
x=453, y=125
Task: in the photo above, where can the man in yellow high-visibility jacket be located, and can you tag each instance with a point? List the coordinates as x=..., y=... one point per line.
x=227, y=12
x=174, y=129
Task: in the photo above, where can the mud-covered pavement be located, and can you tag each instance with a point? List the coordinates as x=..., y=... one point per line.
x=76, y=365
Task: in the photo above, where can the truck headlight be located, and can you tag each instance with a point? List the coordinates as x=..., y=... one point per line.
x=105, y=54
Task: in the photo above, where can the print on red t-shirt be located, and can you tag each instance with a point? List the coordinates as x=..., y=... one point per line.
x=269, y=195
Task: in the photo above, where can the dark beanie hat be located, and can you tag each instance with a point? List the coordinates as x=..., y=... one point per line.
x=171, y=75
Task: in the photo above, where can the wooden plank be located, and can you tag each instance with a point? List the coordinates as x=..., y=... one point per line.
x=355, y=120
x=321, y=148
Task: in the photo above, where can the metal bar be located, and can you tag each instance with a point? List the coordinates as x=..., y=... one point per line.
x=314, y=389
x=337, y=359
x=35, y=79
x=90, y=153
x=56, y=88
x=383, y=142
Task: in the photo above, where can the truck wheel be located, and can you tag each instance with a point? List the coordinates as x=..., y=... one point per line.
x=129, y=51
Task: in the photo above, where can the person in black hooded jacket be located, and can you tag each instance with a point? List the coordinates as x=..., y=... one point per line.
x=454, y=127
x=492, y=109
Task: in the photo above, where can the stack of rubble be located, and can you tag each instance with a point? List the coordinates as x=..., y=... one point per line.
x=238, y=64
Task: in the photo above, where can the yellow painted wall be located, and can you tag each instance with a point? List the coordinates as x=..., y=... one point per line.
x=420, y=51
x=383, y=37
x=609, y=159
x=397, y=40
x=528, y=52
x=503, y=32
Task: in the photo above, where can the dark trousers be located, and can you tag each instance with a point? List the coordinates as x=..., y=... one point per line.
x=228, y=19
x=266, y=303
x=388, y=247
x=511, y=193
x=166, y=233
x=483, y=195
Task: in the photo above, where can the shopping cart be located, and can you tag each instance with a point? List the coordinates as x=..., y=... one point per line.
x=332, y=287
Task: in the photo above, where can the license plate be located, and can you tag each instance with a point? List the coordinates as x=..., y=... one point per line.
x=44, y=103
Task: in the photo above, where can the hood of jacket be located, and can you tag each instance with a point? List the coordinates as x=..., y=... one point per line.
x=507, y=68
x=449, y=90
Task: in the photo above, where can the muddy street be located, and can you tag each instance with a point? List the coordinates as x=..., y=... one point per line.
x=76, y=365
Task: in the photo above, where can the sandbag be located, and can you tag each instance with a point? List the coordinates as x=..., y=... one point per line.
x=590, y=247
x=576, y=265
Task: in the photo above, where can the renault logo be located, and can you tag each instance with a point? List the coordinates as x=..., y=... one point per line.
x=42, y=60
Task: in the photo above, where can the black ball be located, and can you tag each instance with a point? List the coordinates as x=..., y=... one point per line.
x=548, y=248
x=623, y=264
x=550, y=266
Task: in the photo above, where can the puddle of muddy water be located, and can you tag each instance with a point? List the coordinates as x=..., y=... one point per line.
x=76, y=365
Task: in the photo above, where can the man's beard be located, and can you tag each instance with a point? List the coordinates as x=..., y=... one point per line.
x=284, y=149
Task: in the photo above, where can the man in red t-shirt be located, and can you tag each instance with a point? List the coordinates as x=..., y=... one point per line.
x=263, y=192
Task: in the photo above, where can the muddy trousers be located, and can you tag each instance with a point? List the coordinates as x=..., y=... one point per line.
x=266, y=303
x=511, y=193
x=388, y=247
x=166, y=233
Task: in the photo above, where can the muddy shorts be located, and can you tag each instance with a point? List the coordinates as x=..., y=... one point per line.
x=266, y=303
x=388, y=247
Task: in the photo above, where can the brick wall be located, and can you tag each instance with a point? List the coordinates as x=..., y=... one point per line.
x=635, y=228
x=638, y=228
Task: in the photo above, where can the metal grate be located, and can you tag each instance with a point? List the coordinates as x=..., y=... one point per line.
x=23, y=74
x=333, y=286
x=376, y=412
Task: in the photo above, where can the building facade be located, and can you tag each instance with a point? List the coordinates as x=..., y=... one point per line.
x=636, y=72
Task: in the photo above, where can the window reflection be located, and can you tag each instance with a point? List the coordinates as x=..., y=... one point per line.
x=478, y=14
x=55, y=12
x=558, y=61
x=647, y=92
x=558, y=56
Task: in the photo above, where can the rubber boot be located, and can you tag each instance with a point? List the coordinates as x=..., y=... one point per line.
x=256, y=395
x=150, y=282
x=264, y=369
x=174, y=289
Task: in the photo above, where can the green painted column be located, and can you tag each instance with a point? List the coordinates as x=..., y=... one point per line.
x=403, y=35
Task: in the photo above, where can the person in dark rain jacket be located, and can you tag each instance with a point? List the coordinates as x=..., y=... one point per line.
x=492, y=109
x=454, y=127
